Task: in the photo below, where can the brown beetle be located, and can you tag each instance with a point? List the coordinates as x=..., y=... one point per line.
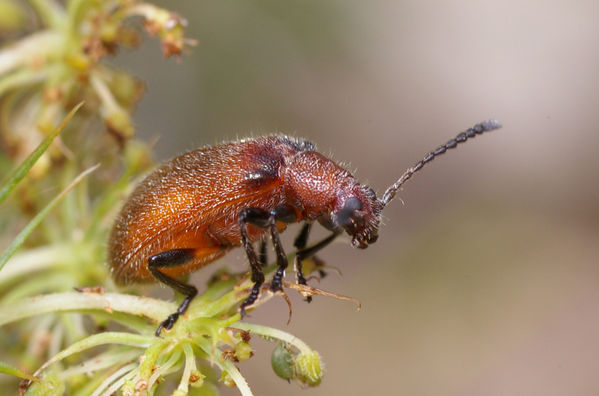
x=198, y=206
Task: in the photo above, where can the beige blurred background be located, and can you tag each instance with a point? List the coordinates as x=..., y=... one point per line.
x=485, y=281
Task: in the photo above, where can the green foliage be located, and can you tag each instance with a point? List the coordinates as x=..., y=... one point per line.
x=56, y=217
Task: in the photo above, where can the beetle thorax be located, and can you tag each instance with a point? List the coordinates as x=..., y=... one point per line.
x=314, y=181
x=331, y=194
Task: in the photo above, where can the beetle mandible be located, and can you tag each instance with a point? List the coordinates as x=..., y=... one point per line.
x=196, y=207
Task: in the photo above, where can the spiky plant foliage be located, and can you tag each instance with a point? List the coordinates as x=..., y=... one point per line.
x=65, y=329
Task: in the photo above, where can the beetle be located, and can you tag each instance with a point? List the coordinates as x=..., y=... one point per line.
x=198, y=206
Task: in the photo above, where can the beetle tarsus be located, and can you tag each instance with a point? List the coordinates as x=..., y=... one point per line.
x=168, y=323
x=251, y=299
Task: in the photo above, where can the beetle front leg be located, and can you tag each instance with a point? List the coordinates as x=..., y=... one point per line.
x=303, y=253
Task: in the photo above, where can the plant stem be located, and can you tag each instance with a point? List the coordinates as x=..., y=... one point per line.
x=35, y=46
x=270, y=332
x=71, y=301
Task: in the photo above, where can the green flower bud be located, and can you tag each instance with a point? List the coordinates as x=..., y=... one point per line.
x=282, y=362
x=196, y=379
x=243, y=351
x=309, y=368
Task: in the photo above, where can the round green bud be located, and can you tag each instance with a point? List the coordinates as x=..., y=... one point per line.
x=308, y=367
x=196, y=379
x=282, y=362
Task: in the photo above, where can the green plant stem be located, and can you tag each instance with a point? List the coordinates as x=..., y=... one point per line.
x=225, y=365
x=37, y=45
x=23, y=77
x=11, y=370
x=269, y=332
x=236, y=376
x=100, y=362
x=171, y=364
x=114, y=378
x=38, y=285
x=129, y=339
x=51, y=12
x=35, y=260
x=75, y=9
x=116, y=385
x=151, y=308
x=190, y=365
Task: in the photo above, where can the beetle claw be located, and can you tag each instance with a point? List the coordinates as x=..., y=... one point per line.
x=168, y=323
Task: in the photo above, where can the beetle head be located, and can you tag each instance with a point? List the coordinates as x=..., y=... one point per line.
x=359, y=213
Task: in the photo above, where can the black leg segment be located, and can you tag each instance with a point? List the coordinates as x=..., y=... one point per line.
x=277, y=279
x=251, y=216
x=263, y=255
x=172, y=258
x=300, y=243
x=264, y=219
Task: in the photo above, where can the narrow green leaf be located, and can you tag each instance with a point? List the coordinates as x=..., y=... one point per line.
x=20, y=238
x=95, y=340
x=24, y=168
x=11, y=370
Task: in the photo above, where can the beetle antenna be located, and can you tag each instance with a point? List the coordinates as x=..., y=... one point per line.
x=478, y=129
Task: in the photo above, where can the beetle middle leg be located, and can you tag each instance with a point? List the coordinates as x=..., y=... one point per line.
x=264, y=219
x=173, y=258
x=263, y=255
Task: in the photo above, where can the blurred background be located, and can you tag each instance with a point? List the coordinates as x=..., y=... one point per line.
x=485, y=277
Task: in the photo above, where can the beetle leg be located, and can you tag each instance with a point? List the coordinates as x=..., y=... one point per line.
x=286, y=215
x=172, y=258
x=300, y=243
x=263, y=255
x=262, y=218
x=277, y=279
x=304, y=253
x=259, y=218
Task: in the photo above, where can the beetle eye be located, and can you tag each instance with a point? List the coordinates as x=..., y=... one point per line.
x=347, y=215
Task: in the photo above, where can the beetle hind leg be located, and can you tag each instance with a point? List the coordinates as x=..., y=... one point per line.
x=173, y=258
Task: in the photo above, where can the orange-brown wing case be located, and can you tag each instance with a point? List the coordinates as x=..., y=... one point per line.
x=193, y=202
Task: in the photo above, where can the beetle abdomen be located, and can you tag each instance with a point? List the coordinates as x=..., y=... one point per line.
x=193, y=202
